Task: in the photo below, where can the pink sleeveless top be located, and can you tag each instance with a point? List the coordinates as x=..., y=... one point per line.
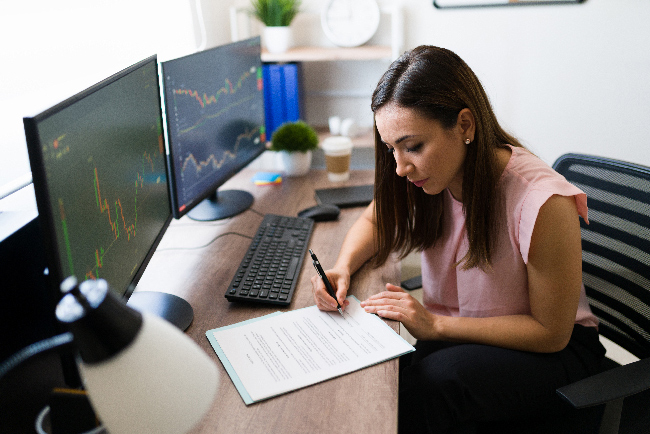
x=503, y=290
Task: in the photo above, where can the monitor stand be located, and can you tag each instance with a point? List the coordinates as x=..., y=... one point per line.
x=222, y=204
x=167, y=306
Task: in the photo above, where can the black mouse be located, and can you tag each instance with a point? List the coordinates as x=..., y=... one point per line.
x=321, y=213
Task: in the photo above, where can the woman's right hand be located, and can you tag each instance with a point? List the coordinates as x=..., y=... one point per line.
x=358, y=246
x=340, y=280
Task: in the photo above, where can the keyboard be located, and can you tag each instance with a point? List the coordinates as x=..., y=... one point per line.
x=269, y=270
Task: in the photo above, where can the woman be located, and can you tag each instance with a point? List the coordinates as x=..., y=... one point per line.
x=504, y=319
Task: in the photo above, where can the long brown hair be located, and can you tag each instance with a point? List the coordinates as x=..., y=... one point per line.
x=438, y=85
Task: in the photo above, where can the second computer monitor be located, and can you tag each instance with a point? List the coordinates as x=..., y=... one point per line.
x=215, y=119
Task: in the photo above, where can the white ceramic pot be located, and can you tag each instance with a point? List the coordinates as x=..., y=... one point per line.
x=277, y=39
x=295, y=163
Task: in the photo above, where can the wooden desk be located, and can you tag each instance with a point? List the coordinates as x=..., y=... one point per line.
x=360, y=402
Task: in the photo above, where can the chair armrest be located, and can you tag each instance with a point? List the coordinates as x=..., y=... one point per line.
x=610, y=385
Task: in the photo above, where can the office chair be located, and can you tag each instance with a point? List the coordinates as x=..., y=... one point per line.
x=616, y=275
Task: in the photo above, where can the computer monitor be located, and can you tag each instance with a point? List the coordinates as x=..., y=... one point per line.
x=100, y=178
x=215, y=121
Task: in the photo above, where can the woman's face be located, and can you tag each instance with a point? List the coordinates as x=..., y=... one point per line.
x=430, y=156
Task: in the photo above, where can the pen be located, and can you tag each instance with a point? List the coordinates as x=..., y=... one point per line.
x=326, y=281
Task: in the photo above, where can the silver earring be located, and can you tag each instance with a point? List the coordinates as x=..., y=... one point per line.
x=467, y=141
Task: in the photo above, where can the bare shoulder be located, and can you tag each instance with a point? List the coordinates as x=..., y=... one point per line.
x=503, y=157
x=559, y=208
x=557, y=225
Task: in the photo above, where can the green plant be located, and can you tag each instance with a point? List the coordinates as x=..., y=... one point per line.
x=294, y=137
x=275, y=13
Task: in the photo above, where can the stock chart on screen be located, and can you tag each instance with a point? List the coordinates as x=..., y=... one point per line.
x=215, y=117
x=104, y=166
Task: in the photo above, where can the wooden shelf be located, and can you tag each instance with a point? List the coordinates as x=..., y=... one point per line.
x=324, y=54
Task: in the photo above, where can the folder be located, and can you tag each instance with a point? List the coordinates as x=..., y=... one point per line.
x=281, y=352
x=273, y=97
x=291, y=92
x=281, y=95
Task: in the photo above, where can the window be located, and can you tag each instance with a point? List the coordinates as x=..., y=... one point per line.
x=52, y=50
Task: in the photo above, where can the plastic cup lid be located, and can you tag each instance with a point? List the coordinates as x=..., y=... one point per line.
x=337, y=144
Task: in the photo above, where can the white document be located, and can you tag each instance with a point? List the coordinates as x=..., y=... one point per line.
x=281, y=352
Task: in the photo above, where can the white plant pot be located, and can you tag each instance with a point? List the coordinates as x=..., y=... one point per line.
x=277, y=39
x=295, y=163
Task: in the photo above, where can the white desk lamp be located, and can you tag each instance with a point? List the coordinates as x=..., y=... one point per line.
x=142, y=374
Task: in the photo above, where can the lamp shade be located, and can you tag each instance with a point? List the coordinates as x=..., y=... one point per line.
x=159, y=382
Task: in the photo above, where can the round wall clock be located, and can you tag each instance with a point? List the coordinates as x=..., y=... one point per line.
x=350, y=23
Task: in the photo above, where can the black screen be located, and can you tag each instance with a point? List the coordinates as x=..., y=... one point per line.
x=99, y=171
x=215, y=118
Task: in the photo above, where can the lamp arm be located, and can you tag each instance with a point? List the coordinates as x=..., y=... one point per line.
x=57, y=343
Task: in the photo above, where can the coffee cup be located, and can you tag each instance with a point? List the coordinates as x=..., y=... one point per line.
x=337, y=150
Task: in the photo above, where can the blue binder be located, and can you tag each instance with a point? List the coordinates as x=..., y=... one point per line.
x=268, y=97
x=281, y=95
x=291, y=92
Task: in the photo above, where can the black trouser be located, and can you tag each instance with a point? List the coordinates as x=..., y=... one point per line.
x=453, y=388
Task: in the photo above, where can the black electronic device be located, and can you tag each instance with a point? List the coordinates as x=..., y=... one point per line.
x=269, y=271
x=412, y=283
x=345, y=197
x=214, y=104
x=100, y=180
x=321, y=213
x=26, y=303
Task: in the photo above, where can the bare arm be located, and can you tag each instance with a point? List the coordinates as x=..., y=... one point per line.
x=359, y=243
x=358, y=246
x=554, y=281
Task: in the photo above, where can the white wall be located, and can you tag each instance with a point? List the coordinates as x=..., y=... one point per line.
x=562, y=78
x=51, y=50
x=566, y=78
x=572, y=78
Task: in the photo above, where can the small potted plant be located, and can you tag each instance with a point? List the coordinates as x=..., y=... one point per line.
x=294, y=142
x=276, y=15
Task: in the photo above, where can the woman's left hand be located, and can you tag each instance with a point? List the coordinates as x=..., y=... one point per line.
x=398, y=305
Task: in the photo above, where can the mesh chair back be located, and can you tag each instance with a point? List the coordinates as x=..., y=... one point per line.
x=615, y=245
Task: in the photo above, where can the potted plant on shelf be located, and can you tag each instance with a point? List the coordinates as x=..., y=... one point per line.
x=276, y=15
x=294, y=142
